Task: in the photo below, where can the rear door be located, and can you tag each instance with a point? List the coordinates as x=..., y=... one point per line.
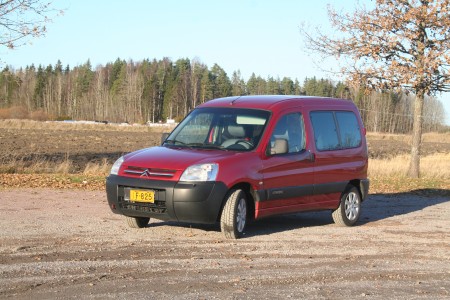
x=338, y=160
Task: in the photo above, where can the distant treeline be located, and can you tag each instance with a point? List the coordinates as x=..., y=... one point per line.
x=156, y=90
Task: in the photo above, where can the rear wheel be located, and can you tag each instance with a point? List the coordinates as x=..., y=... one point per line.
x=137, y=222
x=349, y=209
x=234, y=215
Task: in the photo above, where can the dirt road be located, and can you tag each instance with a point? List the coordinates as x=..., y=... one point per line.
x=68, y=244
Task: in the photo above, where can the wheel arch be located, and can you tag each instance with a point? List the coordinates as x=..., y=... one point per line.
x=362, y=185
x=250, y=196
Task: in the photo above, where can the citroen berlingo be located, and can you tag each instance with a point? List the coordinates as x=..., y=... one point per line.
x=239, y=158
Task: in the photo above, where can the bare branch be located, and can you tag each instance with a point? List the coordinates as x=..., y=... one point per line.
x=21, y=20
x=402, y=44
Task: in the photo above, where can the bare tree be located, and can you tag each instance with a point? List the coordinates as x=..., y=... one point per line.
x=398, y=45
x=21, y=20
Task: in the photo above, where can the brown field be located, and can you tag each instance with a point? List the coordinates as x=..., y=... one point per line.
x=55, y=147
x=383, y=146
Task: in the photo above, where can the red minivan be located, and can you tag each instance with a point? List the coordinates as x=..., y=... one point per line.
x=247, y=157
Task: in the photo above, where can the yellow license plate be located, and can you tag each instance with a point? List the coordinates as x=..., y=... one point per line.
x=142, y=196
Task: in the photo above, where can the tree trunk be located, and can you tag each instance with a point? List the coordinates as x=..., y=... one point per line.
x=414, y=164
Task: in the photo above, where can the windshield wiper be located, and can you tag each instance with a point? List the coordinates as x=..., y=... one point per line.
x=217, y=147
x=193, y=145
x=174, y=142
x=206, y=146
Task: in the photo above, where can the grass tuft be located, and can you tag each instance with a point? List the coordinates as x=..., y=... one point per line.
x=97, y=169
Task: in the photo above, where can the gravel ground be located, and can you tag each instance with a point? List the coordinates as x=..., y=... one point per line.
x=68, y=244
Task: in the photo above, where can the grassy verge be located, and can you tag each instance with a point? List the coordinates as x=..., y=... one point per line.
x=18, y=165
x=378, y=185
x=387, y=175
x=56, y=181
x=403, y=184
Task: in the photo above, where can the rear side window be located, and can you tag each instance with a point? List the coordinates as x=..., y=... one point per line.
x=348, y=129
x=335, y=130
x=325, y=130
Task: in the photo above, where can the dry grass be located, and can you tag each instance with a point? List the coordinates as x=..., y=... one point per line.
x=97, y=169
x=13, y=164
x=429, y=137
x=18, y=165
x=432, y=166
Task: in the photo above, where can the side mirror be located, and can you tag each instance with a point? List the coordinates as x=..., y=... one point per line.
x=280, y=147
x=164, y=136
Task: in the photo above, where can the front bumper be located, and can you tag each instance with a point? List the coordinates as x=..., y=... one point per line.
x=194, y=202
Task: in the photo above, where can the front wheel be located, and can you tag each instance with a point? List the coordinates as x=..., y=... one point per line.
x=234, y=215
x=137, y=222
x=349, y=209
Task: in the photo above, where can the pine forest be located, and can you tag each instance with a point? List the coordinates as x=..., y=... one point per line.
x=152, y=91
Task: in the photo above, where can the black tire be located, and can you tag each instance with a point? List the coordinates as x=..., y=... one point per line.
x=349, y=210
x=234, y=215
x=137, y=222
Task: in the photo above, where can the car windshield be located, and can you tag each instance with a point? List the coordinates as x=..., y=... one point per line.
x=220, y=128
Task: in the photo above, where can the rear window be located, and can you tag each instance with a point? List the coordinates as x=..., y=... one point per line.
x=335, y=130
x=348, y=129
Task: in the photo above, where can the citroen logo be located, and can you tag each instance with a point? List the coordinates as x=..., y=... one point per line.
x=146, y=173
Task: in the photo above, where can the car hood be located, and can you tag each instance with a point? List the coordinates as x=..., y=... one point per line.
x=176, y=159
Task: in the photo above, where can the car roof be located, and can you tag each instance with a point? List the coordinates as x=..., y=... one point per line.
x=275, y=102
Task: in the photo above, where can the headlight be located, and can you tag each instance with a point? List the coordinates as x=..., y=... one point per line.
x=116, y=166
x=204, y=172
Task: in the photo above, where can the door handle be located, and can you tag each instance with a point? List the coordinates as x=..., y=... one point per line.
x=312, y=156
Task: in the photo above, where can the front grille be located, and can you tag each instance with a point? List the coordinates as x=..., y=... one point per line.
x=159, y=206
x=149, y=172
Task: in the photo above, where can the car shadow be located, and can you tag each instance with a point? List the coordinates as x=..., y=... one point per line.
x=204, y=227
x=375, y=208
x=382, y=206
x=283, y=223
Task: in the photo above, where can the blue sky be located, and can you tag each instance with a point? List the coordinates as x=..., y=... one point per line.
x=257, y=36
